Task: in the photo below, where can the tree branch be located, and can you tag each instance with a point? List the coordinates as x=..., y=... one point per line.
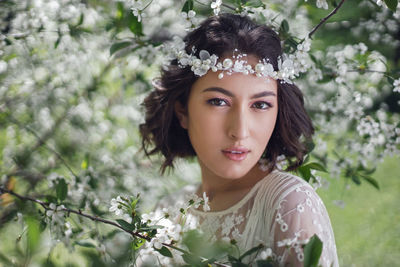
x=322, y=21
x=45, y=205
x=42, y=142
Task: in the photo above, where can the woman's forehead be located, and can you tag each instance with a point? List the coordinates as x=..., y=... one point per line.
x=236, y=83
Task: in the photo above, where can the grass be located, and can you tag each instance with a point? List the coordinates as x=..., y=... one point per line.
x=367, y=228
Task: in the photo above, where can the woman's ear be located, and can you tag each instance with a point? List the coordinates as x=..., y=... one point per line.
x=181, y=114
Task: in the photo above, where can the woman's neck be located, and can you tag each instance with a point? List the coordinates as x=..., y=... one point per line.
x=223, y=192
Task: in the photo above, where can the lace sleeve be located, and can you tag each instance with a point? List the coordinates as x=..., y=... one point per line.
x=298, y=216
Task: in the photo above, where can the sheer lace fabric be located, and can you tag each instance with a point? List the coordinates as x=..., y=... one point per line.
x=281, y=212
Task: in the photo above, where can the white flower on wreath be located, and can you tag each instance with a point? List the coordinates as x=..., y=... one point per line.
x=200, y=66
x=216, y=6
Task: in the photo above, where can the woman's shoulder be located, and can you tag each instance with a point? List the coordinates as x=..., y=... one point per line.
x=284, y=182
x=284, y=186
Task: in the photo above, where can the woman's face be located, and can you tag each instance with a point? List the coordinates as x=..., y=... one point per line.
x=230, y=121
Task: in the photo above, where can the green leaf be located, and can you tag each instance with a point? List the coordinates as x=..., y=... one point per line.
x=333, y=3
x=150, y=227
x=264, y=263
x=305, y=172
x=251, y=251
x=138, y=242
x=125, y=225
x=390, y=79
x=118, y=46
x=42, y=226
x=239, y=264
x=80, y=20
x=133, y=203
x=51, y=199
x=356, y=179
x=316, y=166
x=254, y=3
x=61, y=189
x=310, y=145
x=134, y=25
x=58, y=40
x=194, y=241
x=370, y=180
x=232, y=259
x=191, y=259
x=187, y=6
x=33, y=233
x=391, y=4
x=312, y=252
x=5, y=260
x=85, y=244
x=120, y=9
x=164, y=251
x=285, y=26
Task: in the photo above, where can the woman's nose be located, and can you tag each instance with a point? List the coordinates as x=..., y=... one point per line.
x=238, y=125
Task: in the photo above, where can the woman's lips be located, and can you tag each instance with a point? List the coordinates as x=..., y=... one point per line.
x=236, y=154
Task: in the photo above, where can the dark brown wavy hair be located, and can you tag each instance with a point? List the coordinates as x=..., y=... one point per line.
x=221, y=35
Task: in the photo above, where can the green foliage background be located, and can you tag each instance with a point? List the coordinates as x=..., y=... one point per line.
x=70, y=109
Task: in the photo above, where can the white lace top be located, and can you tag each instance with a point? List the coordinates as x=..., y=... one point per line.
x=281, y=212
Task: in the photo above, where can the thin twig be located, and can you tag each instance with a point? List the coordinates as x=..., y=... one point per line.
x=45, y=205
x=322, y=21
x=361, y=71
x=228, y=6
x=43, y=143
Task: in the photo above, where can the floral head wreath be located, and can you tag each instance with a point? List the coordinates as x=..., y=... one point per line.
x=289, y=65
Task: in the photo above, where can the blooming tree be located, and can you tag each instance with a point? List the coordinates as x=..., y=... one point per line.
x=72, y=77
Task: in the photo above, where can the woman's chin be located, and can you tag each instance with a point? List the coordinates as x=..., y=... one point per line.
x=234, y=173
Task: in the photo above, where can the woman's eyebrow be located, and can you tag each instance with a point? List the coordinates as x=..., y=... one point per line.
x=228, y=93
x=220, y=90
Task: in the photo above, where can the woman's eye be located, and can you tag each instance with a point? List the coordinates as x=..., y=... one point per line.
x=261, y=105
x=217, y=102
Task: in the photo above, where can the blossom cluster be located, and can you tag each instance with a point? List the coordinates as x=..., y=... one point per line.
x=289, y=66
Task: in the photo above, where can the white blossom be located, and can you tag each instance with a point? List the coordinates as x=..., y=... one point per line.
x=322, y=4
x=189, y=18
x=137, y=8
x=55, y=213
x=265, y=254
x=216, y=6
x=116, y=206
x=3, y=66
x=396, y=85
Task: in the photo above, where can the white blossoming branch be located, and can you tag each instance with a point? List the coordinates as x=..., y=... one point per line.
x=53, y=211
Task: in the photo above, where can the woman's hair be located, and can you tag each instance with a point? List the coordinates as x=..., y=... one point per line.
x=221, y=35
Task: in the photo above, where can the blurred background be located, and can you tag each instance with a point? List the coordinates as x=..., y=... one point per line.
x=73, y=74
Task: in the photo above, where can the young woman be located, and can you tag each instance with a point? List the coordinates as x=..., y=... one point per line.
x=224, y=101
